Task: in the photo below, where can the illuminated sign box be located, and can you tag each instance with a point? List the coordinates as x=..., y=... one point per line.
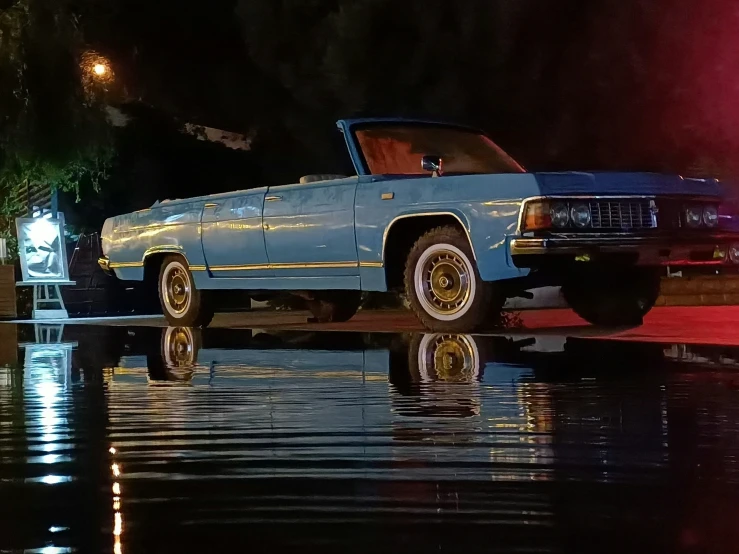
x=42, y=250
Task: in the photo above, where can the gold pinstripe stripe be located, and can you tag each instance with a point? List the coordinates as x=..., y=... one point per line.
x=257, y=267
x=306, y=265
x=123, y=265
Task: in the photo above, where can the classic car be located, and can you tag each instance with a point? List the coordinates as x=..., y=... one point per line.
x=438, y=211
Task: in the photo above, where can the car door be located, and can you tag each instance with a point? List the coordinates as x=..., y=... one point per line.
x=309, y=229
x=233, y=237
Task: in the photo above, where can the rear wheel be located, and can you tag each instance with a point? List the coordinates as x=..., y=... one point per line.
x=180, y=347
x=182, y=303
x=444, y=286
x=613, y=298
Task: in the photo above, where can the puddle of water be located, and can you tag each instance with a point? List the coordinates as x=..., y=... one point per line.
x=137, y=440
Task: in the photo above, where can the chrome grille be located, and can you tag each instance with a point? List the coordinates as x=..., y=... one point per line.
x=622, y=214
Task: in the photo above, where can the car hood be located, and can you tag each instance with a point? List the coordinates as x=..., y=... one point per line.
x=577, y=182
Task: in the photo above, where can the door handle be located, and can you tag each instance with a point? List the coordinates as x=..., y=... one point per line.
x=210, y=205
x=274, y=198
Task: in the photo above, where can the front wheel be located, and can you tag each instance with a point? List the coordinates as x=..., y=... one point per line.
x=444, y=286
x=182, y=303
x=613, y=298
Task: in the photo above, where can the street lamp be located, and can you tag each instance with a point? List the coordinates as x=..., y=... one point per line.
x=97, y=71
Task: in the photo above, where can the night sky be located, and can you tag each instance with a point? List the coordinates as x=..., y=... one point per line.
x=574, y=83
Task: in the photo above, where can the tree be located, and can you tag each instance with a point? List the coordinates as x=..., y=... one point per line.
x=53, y=128
x=637, y=84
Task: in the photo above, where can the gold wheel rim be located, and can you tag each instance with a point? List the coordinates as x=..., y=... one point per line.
x=178, y=290
x=452, y=358
x=446, y=282
x=180, y=347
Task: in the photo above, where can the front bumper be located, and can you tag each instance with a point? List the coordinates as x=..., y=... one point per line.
x=104, y=264
x=706, y=249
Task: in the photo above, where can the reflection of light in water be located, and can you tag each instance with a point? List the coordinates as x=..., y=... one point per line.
x=523, y=432
x=46, y=373
x=118, y=524
x=115, y=469
x=55, y=479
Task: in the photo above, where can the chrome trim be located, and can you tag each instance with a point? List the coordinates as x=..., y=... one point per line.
x=680, y=249
x=124, y=265
x=525, y=201
x=152, y=226
x=654, y=197
x=104, y=264
x=425, y=214
x=165, y=249
x=372, y=264
x=304, y=265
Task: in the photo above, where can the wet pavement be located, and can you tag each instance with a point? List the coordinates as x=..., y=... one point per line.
x=696, y=324
x=116, y=439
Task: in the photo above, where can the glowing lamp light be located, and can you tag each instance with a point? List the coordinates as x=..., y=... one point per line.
x=99, y=69
x=117, y=524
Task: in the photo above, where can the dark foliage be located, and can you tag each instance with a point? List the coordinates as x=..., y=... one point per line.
x=572, y=84
x=621, y=84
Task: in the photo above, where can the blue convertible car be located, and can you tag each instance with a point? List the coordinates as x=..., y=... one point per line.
x=438, y=211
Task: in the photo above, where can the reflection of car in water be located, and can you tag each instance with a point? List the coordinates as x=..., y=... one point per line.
x=184, y=353
x=410, y=359
x=432, y=375
x=423, y=358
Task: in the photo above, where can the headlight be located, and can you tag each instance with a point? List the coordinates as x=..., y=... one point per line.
x=710, y=216
x=734, y=253
x=693, y=216
x=580, y=215
x=560, y=215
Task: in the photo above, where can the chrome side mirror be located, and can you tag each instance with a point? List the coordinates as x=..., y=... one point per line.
x=433, y=164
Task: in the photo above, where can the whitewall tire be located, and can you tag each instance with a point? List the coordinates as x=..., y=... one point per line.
x=182, y=303
x=443, y=284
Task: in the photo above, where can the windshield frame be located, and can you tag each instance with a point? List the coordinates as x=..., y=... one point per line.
x=350, y=129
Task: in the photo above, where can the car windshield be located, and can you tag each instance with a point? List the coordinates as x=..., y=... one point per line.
x=397, y=150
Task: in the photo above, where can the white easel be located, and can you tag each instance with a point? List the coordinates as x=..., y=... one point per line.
x=47, y=296
x=43, y=298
